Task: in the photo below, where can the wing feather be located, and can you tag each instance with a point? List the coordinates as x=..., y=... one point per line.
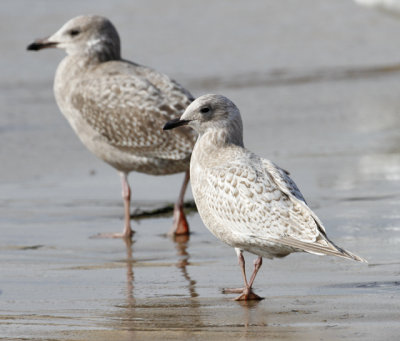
x=128, y=107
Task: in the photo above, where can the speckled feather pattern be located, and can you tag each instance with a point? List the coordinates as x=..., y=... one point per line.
x=249, y=202
x=118, y=108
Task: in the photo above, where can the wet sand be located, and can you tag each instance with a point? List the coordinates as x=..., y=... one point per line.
x=318, y=87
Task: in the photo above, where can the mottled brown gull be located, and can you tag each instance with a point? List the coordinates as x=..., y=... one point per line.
x=117, y=107
x=246, y=201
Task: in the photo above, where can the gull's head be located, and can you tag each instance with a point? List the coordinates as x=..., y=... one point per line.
x=211, y=112
x=90, y=35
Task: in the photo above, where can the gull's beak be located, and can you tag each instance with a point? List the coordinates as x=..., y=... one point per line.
x=177, y=122
x=39, y=44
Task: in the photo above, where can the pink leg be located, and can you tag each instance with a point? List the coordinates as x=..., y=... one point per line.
x=180, y=224
x=126, y=195
x=246, y=292
x=257, y=266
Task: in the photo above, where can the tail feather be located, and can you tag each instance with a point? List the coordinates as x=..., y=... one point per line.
x=328, y=248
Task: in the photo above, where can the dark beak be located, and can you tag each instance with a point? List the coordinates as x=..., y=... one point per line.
x=175, y=123
x=39, y=44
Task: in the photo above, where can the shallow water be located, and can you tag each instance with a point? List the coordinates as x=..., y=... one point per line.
x=318, y=88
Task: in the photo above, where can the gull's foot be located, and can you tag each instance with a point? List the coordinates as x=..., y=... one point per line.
x=180, y=226
x=247, y=294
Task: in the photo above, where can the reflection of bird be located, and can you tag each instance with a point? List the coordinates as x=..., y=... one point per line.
x=390, y=6
x=117, y=107
x=244, y=200
x=129, y=273
x=181, y=247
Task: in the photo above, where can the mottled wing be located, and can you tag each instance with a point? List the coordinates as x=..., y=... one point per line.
x=321, y=243
x=282, y=179
x=129, y=110
x=244, y=195
x=288, y=186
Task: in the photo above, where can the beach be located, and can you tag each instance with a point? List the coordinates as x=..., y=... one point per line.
x=318, y=87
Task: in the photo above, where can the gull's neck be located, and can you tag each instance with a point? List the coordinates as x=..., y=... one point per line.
x=207, y=150
x=222, y=137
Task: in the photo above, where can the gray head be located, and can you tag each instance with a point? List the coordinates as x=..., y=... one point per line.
x=212, y=113
x=87, y=35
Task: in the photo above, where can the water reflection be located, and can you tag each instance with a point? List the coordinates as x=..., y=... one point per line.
x=130, y=298
x=156, y=308
x=181, y=245
x=182, y=263
x=251, y=315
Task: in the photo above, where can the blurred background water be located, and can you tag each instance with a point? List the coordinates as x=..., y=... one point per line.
x=318, y=85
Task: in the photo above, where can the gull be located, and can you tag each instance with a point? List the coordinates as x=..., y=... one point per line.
x=117, y=107
x=246, y=201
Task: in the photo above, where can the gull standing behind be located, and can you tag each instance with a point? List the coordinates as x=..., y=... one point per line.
x=117, y=107
x=246, y=201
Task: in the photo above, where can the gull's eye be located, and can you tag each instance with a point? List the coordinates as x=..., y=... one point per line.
x=74, y=32
x=204, y=110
